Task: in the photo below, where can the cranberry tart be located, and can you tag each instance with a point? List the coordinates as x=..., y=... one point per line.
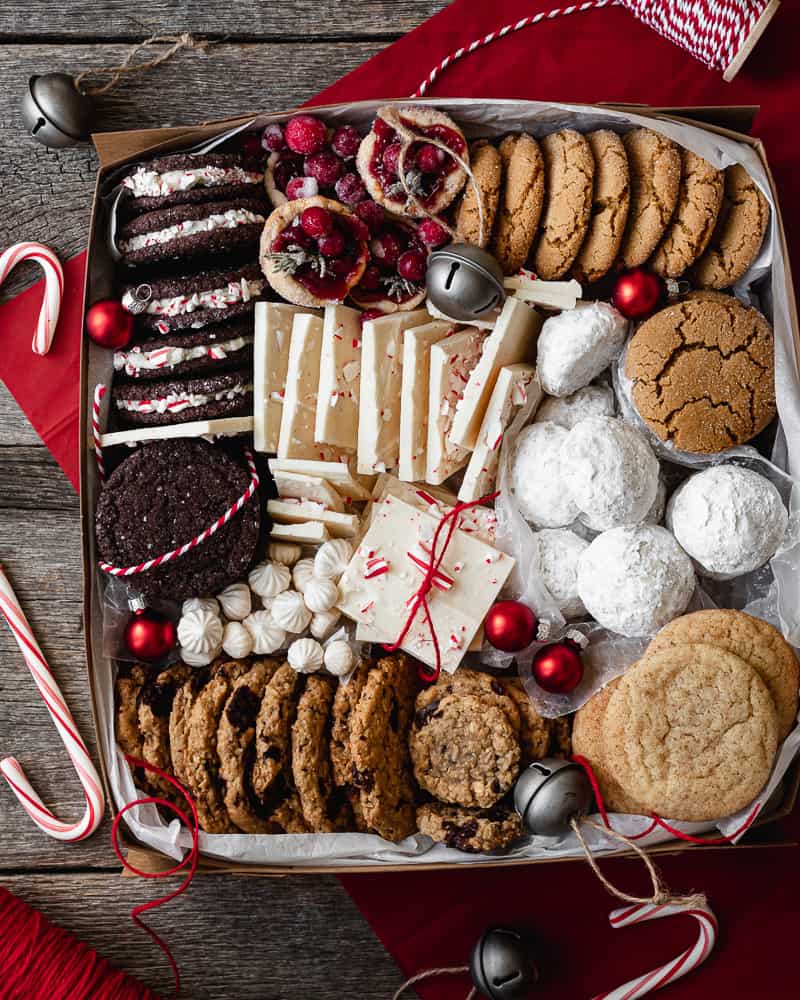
x=313, y=251
x=394, y=278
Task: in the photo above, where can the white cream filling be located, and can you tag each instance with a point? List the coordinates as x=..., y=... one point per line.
x=231, y=219
x=136, y=360
x=175, y=402
x=213, y=298
x=151, y=184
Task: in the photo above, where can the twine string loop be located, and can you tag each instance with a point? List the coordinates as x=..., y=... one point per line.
x=128, y=67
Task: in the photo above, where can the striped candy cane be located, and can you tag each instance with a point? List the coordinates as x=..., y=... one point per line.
x=99, y=392
x=67, y=730
x=665, y=974
x=53, y=288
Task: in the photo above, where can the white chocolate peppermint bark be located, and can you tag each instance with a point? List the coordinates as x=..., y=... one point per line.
x=273, y=334
x=301, y=511
x=550, y=294
x=417, y=343
x=303, y=533
x=348, y=484
x=339, y=378
x=222, y=427
x=295, y=486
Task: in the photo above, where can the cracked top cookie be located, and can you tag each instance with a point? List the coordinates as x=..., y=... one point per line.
x=655, y=166
x=702, y=373
x=610, y=203
x=521, y=201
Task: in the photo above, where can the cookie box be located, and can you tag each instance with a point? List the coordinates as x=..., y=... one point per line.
x=711, y=132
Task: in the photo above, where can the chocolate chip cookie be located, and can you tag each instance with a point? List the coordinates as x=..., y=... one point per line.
x=487, y=172
x=475, y=831
x=179, y=716
x=521, y=200
x=610, y=203
x=324, y=806
x=155, y=707
x=130, y=680
x=344, y=703
x=655, y=169
x=492, y=690
x=272, y=756
x=535, y=731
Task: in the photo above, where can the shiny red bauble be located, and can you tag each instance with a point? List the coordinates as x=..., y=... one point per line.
x=638, y=293
x=510, y=626
x=108, y=324
x=149, y=635
x=558, y=668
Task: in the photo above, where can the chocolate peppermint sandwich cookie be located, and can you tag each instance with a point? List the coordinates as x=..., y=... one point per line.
x=187, y=179
x=186, y=231
x=155, y=404
x=162, y=496
x=195, y=300
x=210, y=350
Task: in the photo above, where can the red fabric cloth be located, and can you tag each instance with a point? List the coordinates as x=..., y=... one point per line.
x=432, y=918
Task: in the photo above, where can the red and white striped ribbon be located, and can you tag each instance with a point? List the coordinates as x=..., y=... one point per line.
x=97, y=399
x=688, y=959
x=67, y=730
x=232, y=511
x=53, y=288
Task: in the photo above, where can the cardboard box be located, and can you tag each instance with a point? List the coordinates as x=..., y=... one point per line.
x=115, y=150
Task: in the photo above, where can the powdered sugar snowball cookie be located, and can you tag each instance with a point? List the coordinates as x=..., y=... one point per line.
x=200, y=636
x=200, y=604
x=289, y=612
x=557, y=553
x=339, y=658
x=333, y=558
x=324, y=622
x=538, y=476
x=656, y=513
x=729, y=519
x=302, y=573
x=566, y=411
x=284, y=552
x=236, y=602
x=269, y=579
x=611, y=472
x=320, y=594
x=633, y=580
x=237, y=641
x=267, y=635
x=577, y=344
x=305, y=656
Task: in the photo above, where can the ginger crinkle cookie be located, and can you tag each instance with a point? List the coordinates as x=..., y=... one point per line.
x=521, y=200
x=655, y=169
x=487, y=173
x=691, y=733
x=610, y=203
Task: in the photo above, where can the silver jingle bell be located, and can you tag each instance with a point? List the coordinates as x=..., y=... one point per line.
x=55, y=112
x=464, y=282
x=501, y=965
x=549, y=794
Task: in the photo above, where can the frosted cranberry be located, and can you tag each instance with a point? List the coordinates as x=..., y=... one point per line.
x=325, y=167
x=371, y=278
x=251, y=145
x=305, y=134
x=369, y=314
x=302, y=187
x=432, y=234
x=331, y=244
x=272, y=138
x=316, y=221
x=287, y=166
x=371, y=214
x=383, y=131
x=350, y=189
x=430, y=159
x=411, y=265
x=390, y=158
x=386, y=248
x=345, y=141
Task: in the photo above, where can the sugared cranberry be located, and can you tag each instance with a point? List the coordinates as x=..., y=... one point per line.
x=287, y=166
x=272, y=138
x=416, y=244
x=302, y=187
x=371, y=214
x=390, y=158
x=251, y=145
x=305, y=134
x=332, y=244
x=386, y=248
x=316, y=221
x=350, y=189
x=371, y=278
x=345, y=141
x=369, y=314
x=411, y=265
x=384, y=131
x=325, y=166
x=430, y=159
x=432, y=234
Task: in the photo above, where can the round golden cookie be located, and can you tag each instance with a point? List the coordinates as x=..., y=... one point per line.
x=738, y=234
x=691, y=733
x=521, y=200
x=699, y=201
x=655, y=166
x=569, y=171
x=752, y=640
x=702, y=373
x=610, y=203
x=487, y=172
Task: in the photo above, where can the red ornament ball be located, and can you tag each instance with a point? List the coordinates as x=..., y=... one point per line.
x=149, y=635
x=108, y=324
x=638, y=293
x=558, y=668
x=510, y=626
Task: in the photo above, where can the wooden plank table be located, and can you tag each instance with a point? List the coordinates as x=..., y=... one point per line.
x=232, y=937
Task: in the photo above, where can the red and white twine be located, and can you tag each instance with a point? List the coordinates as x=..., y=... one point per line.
x=53, y=288
x=97, y=399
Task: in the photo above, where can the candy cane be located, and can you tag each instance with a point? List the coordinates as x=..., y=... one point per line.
x=53, y=288
x=67, y=730
x=99, y=392
x=688, y=959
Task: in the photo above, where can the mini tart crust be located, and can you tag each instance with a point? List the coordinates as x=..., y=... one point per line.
x=453, y=182
x=275, y=195
x=284, y=284
x=389, y=305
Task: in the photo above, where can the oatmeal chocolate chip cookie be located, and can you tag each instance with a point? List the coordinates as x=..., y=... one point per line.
x=610, y=203
x=691, y=733
x=569, y=167
x=487, y=172
x=324, y=806
x=754, y=641
x=272, y=756
x=521, y=200
x=201, y=760
x=235, y=735
x=655, y=167
x=702, y=373
x=155, y=707
x=179, y=716
x=738, y=234
x=287, y=817
x=379, y=727
x=344, y=703
x=535, y=732
x=696, y=213
x=464, y=751
x=475, y=831
x=130, y=680
x=492, y=690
